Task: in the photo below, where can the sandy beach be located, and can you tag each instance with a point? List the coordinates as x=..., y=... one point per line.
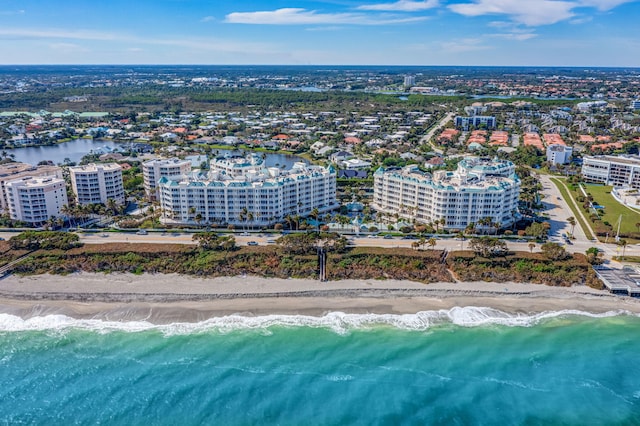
x=176, y=298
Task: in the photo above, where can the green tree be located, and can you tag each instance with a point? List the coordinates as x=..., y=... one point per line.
x=211, y=241
x=488, y=247
x=594, y=256
x=553, y=251
x=536, y=230
x=206, y=240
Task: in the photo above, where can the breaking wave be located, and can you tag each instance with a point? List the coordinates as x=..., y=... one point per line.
x=338, y=322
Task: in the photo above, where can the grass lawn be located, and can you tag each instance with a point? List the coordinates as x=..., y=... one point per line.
x=613, y=209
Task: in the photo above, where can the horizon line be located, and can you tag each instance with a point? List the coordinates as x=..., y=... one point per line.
x=320, y=65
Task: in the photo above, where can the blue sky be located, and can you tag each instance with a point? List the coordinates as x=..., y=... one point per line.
x=301, y=32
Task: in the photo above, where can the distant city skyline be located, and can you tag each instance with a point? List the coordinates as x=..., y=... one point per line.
x=329, y=32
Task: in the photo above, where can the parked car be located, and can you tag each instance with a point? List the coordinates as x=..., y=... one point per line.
x=252, y=243
x=388, y=237
x=141, y=232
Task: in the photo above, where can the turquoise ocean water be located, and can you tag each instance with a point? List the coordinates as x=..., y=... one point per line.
x=464, y=366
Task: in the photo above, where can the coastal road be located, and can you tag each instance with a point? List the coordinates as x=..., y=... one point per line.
x=427, y=138
x=559, y=211
x=361, y=241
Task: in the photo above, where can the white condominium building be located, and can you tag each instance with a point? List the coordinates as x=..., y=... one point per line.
x=154, y=170
x=239, y=191
x=487, y=121
x=480, y=188
x=14, y=171
x=559, y=154
x=36, y=199
x=618, y=171
x=97, y=183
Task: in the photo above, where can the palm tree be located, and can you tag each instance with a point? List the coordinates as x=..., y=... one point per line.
x=69, y=212
x=242, y=216
x=343, y=220
x=485, y=222
x=112, y=206
x=623, y=243
x=460, y=235
x=572, y=221
x=250, y=217
x=638, y=226
x=422, y=241
x=471, y=228
x=198, y=219
x=289, y=219
x=432, y=243
x=531, y=247
x=315, y=214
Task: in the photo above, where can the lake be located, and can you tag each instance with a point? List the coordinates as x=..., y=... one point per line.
x=76, y=149
x=271, y=159
x=73, y=150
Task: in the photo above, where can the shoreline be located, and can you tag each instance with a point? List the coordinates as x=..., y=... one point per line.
x=163, y=299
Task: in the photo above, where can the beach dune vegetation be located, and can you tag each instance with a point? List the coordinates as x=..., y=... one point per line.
x=308, y=243
x=45, y=240
x=524, y=267
x=343, y=262
x=212, y=241
x=488, y=247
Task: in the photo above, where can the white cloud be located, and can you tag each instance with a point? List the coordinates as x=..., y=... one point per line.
x=583, y=20
x=515, y=36
x=196, y=44
x=528, y=12
x=603, y=5
x=501, y=24
x=402, y=6
x=533, y=12
x=67, y=48
x=299, y=16
x=29, y=33
x=11, y=12
x=326, y=28
x=511, y=31
x=464, y=45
